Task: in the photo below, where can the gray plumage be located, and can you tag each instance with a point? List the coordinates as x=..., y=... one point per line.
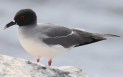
x=58, y=35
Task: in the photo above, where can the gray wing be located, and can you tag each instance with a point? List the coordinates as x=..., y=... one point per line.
x=69, y=37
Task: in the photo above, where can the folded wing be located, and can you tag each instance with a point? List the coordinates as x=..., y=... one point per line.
x=69, y=37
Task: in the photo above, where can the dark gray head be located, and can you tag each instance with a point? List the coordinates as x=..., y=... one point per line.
x=24, y=17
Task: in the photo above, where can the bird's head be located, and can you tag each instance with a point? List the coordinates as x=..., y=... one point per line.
x=23, y=17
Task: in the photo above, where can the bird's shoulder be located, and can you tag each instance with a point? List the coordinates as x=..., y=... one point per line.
x=53, y=30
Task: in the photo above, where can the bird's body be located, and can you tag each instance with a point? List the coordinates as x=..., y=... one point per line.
x=49, y=40
x=32, y=43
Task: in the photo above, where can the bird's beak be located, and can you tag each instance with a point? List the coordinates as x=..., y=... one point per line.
x=10, y=24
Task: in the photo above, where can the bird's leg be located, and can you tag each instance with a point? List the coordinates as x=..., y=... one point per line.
x=49, y=62
x=37, y=60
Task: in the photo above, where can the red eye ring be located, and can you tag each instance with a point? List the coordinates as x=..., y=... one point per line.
x=21, y=17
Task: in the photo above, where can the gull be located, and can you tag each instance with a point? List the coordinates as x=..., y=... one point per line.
x=50, y=40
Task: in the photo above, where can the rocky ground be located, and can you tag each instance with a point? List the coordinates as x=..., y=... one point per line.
x=15, y=67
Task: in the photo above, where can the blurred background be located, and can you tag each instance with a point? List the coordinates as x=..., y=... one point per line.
x=102, y=59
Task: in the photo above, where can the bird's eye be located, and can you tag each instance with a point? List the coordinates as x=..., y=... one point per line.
x=21, y=18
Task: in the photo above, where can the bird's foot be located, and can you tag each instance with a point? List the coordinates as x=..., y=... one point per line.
x=37, y=61
x=49, y=62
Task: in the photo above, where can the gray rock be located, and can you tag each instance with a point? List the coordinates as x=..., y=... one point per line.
x=15, y=67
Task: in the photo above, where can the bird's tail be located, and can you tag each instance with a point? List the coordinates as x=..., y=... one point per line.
x=107, y=35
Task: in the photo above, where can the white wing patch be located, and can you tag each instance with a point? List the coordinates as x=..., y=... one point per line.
x=80, y=29
x=64, y=36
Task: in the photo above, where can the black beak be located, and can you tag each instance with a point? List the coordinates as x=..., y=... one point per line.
x=10, y=24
